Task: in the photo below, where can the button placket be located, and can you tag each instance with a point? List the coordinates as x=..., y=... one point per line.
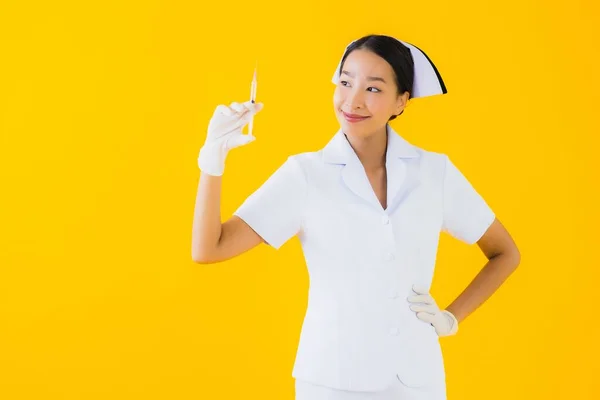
x=388, y=257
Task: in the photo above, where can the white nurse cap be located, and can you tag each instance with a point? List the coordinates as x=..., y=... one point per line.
x=427, y=79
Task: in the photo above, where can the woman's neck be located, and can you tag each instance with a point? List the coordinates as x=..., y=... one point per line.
x=371, y=150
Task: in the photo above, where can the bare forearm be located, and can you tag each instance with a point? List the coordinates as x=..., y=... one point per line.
x=487, y=281
x=206, y=229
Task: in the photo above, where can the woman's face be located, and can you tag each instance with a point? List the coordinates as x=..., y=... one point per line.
x=366, y=87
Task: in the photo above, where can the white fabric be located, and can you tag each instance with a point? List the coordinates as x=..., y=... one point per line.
x=466, y=215
x=396, y=391
x=426, y=81
x=362, y=260
x=275, y=210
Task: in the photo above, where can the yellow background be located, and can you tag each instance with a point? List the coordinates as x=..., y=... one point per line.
x=104, y=107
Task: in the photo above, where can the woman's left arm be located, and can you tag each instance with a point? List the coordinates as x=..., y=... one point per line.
x=503, y=258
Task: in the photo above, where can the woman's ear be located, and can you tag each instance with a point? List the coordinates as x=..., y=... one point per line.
x=402, y=103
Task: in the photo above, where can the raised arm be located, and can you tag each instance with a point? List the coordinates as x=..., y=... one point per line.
x=213, y=241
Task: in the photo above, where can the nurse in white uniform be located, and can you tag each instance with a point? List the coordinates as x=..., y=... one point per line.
x=368, y=209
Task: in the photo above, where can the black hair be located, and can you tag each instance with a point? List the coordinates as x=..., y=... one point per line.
x=395, y=53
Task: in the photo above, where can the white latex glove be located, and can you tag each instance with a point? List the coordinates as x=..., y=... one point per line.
x=444, y=322
x=225, y=133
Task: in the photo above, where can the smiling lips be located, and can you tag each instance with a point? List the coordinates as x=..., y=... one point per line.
x=354, y=117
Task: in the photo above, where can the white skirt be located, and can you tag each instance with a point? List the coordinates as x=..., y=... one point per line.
x=396, y=391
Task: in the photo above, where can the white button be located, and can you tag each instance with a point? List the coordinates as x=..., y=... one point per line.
x=385, y=220
x=389, y=256
x=394, y=331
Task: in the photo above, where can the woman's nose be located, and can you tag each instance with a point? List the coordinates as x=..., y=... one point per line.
x=354, y=100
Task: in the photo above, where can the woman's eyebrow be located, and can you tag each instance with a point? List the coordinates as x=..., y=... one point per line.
x=369, y=78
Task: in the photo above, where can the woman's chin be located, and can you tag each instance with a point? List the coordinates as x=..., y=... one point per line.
x=354, y=127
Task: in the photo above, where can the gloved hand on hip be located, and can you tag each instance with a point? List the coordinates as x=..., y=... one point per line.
x=444, y=322
x=225, y=133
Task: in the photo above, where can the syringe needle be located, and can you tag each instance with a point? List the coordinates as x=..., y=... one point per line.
x=252, y=97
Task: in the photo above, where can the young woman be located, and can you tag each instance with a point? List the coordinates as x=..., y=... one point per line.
x=368, y=209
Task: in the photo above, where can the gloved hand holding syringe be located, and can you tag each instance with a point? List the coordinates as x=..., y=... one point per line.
x=225, y=132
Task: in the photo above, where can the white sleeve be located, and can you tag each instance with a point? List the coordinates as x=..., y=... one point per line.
x=275, y=209
x=466, y=214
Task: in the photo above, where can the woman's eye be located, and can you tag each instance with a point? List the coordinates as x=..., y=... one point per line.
x=372, y=87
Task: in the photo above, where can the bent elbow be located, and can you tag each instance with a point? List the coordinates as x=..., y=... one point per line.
x=202, y=257
x=515, y=257
x=203, y=260
x=198, y=260
x=207, y=257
